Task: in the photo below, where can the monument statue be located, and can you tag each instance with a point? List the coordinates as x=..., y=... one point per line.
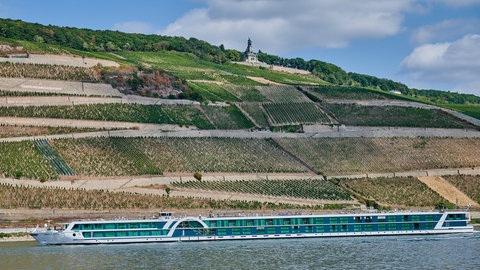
x=250, y=56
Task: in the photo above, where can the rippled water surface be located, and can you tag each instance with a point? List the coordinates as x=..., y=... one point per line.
x=406, y=252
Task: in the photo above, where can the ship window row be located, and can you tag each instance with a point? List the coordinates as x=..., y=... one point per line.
x=95, y=234
x=317, y=229
x=455, y=216
x=113, y=226
x=320, y=220
x=454, y=224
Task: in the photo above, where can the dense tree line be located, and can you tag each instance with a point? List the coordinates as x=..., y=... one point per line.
x=106, y=40
x=326, y=71
x=443, y=96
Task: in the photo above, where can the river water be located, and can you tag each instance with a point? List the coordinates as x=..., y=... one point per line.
x=394, y=252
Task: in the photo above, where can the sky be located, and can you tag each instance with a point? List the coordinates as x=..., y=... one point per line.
x=426, y=44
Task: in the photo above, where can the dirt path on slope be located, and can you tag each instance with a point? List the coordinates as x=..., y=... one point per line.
x=263, y=80
x=447, y=190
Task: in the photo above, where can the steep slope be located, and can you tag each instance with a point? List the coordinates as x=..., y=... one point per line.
x=448, y=191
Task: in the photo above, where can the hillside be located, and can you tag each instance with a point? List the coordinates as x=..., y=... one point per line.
x=86, y=41
x=186, y=131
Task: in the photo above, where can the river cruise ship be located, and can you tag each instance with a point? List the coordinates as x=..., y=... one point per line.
x=167, y=228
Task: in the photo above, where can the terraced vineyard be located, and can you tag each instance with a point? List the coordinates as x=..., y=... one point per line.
x=153, y=156
x=283, y=94
x=397, y=192
x=356, y=115
x=49, y=72
x=254, y=110
x=57, y=163
x=104, y=157
x=54, y=198
x=9, y=131
x=304, y=188
x=337, y=156
x=138, y=156
x=246, y=93
x=222, y=155
x=8, y=93
x=21, y=159
x=212, y=92
x=295, y=113
x=227, y=117
x=165, y=114
x=349, y=93
x=468, y=184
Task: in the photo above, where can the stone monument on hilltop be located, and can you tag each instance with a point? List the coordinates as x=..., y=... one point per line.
x=249, y=56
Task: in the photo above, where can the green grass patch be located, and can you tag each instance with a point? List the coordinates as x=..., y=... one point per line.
x=9, y=235
x=183, y=65
x=472, y=110
x=239, y=80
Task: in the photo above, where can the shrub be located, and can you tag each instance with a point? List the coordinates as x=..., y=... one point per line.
x=198, y=176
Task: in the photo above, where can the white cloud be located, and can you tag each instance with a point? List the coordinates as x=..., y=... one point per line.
x=134, y=27
x=453, y=63
x=279, y=26
x=445, y=30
